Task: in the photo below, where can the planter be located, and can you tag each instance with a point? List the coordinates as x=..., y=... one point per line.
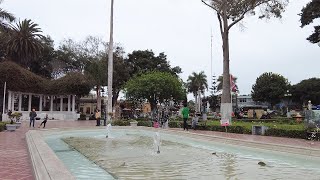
x=11, y=127
x=18, y=124
x=134, y=123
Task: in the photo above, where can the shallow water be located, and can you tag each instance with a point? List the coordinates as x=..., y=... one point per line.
x=131, y=155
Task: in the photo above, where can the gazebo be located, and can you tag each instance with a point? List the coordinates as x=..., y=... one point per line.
x=60, y=107
x=24, y=91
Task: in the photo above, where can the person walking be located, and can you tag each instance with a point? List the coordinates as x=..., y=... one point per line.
x=98, y=117
x=32, y=116
x=185, y=116
x=44, y=121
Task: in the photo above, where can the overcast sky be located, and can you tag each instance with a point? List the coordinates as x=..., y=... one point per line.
x=182, y=29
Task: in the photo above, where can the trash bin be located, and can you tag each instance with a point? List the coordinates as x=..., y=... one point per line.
x=258, y=130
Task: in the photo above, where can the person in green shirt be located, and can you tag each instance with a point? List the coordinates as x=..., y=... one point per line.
x=185, y=116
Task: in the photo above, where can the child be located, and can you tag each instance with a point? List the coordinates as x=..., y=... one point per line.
x=44, y=121
x=195, y=120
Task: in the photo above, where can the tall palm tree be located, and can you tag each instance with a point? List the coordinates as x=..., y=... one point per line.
x=24, y=42
x=196, y=84
x=5, y=18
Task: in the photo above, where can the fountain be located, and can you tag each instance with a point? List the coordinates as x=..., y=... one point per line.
x=156, y=142
x=128, y=156
x=108, y=130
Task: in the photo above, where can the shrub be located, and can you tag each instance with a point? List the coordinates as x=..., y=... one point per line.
x=2, y=126
x=82, y=117
x=120, y=123
x=145, y=123
x=175, y=124
x=291, y=133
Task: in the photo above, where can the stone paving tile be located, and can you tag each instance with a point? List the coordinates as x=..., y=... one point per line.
x=15, y=161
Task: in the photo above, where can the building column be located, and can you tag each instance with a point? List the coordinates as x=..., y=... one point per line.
x=9, y=100
x=73, y=103
x=40, y=103
x=51, y=103
x=12, y=102
x=69, y=103
x=61, y=103
x=29, y=104
x=20, y=101
x=45, y=100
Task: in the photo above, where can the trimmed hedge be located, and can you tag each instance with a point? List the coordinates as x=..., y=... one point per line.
x=120, y=123
x=281, y=130
x=290, y=133
x=2, y=126
x=145, y=123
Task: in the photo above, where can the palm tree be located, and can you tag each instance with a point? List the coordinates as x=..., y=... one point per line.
x=24, y=42
x=196, y=84
x=5, y=18
x=220, y=82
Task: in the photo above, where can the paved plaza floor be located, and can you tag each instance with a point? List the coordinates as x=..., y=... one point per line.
x=15, y=161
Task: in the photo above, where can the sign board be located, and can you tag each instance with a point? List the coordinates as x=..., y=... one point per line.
x=225, y=122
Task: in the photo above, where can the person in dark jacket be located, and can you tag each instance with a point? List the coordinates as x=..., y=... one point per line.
x=32, y=116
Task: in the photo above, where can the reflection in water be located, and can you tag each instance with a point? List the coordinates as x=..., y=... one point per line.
x=133, y=157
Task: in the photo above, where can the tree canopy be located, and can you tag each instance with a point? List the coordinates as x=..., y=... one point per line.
x=22, y=80
x=24, y=42
x=146, y=61
x=155, y=86
x=269, y=87
x=308, y=14
x=308, y=89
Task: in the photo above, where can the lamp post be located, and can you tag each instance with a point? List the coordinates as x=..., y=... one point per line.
x=288, y=95
x=110, y=65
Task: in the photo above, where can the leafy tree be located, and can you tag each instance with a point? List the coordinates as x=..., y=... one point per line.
x=145, y=61
x=97, y=71
x=73, y=56
x=309, y=13
x=121, y=74
x=229, y=13
x=24, y=42
x=269, y=87
x=196, y=84
x=91, y=57
x=155, y=86
x=42, y=65
x=308, y=89
x=5, y=19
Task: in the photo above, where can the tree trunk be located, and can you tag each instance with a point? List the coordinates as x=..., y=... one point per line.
x=226, y=106
x=110, y=65
x=196, y=101
x=98, y=90
x=115, y=97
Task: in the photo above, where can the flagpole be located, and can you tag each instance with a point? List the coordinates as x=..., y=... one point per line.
x=4, y=97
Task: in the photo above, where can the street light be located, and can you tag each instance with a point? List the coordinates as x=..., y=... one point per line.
x=288, y=94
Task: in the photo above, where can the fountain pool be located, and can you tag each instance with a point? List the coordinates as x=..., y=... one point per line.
x=130, y=154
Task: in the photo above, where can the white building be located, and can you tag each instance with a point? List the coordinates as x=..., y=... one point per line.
x=60, y=107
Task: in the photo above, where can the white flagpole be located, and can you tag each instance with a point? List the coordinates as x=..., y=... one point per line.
x=4, y=97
